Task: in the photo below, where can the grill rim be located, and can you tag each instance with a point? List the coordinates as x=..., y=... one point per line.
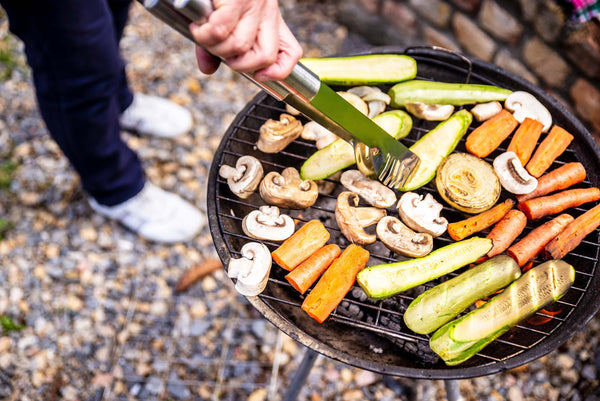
x=586, y=308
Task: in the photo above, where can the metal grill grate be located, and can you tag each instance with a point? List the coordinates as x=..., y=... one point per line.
x=383, y=318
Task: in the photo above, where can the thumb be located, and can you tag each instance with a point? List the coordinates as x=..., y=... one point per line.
x=207, y=63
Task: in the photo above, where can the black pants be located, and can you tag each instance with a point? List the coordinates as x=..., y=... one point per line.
x=72, y=47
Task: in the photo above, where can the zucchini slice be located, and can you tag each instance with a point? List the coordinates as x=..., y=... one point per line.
x=326, y=161
x=382, y=281
x=442, y=303
x=370, y=69
x=434, y=146
x=462, y=338
x=431, y=92
x=397, y=123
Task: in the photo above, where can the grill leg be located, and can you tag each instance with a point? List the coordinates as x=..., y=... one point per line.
x=452, y=391
x=308, y=360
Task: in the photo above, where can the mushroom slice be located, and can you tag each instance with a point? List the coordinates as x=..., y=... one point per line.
x=399, y=238
x=327, y=185
x=288, y=190
x=245, y=177
x=352, y=219
x=524, y=104
x=355, y=101
x=485, y=111
x=276, y=135
x=267, y=224
x=313, y=131
x=252, y=269
x=422, y=214
x=512, y=175
x=430, y=112
x=372, y=191
x=376, y=99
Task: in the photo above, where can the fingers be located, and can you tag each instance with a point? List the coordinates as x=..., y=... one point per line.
x=250, y=36
x=207, y=63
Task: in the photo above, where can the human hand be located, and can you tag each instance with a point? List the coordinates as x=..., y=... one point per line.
x=250, y=35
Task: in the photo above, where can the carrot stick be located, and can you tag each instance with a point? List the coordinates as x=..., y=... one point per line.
x=484, y=139
x=556, y=180
x=462, y=229
x=306, y=240
x=573, y=234
x=307, y=272
x=553, y=204
x=525, y=139
x=533, y=243
x=335, y=283
x=506, y=231
x=553, y=145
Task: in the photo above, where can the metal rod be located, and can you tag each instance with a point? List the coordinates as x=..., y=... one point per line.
x=308, y=360
x=452, y=390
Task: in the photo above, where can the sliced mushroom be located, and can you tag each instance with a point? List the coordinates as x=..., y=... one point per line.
x=399, y=238
x=485, y=111
x=327, y=185
x=524, y=104
x=276, y=135
x=430, y=112
x=290, y=110
x=355, y=101
x=352, y=219
x=245, y=177
x=288, y=190
x=422, y=214
x=252, y=269
x=372, y=191
x=313, y=131
x=512, y=175
x=267, y=224
x=376, y=99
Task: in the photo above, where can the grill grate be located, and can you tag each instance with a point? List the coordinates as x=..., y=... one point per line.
x=379, y=323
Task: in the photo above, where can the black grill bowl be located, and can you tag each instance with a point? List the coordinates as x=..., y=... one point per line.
x=371, y=334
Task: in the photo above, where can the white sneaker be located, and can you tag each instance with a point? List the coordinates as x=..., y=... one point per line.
x=151, y=115
x=156, y=215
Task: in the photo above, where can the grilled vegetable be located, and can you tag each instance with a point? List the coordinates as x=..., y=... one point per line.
x=553, y=145
x=506, y=231
x=442, y=303
x=335, y=283
x=430, y=92
x=434, y=146
x=307, y=272
x=525, y=139
x=537, y=208
x=484, y=139
x=463, y=228
x=468, y=183
x=303, y=243
x=385, y=280
x=560, y=178
x=462, y=338
x=364, y=69
x=397, y=123
x=573, y=234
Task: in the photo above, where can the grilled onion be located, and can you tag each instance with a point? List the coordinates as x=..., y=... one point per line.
x=467, y=183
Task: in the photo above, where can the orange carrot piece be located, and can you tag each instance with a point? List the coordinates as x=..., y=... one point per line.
x=303, y=243
x=553, y=145
x=484, y=139
x=573, y=234
x=525, y=139
x=335, y=283
x=553, y=204
x=307, y=272
x=462, y=229
x=506, y=231
x=533, y=243
x=556, y=180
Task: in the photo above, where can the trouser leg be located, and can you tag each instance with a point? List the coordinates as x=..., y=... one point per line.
x=72, y=49
x=120, y=12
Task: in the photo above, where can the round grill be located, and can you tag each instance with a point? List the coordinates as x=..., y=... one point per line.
x=371, y=334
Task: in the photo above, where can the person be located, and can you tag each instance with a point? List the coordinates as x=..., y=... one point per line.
x=72, y=47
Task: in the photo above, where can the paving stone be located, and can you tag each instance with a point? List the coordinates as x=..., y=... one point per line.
x=499, y=22
x=545, y=62
x=474, y=40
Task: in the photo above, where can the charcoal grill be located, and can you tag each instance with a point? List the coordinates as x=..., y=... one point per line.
x=371, y=334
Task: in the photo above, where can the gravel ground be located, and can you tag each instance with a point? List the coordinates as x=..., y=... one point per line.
x=99, y=318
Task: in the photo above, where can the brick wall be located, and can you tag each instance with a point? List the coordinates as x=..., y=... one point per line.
x=531, y=38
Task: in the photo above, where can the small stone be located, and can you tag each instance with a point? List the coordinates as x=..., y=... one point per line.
x=5, y=344
x=74, y=303
x=346, y=375
x=565, y=361
x=515, y=394
x=353, y=395
x=365, y=378
x=258, y=395
x=89, y=234
x=589, y=372
x=154, y=385
x=38, y=378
